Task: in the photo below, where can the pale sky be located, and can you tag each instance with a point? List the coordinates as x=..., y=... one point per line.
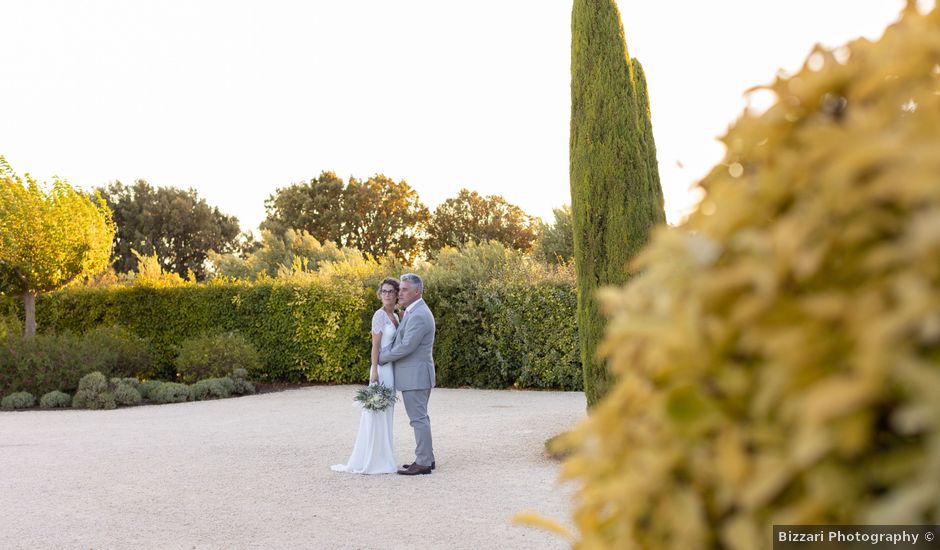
x=237, y=98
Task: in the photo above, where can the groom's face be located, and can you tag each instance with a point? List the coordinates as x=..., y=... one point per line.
x=407, y=293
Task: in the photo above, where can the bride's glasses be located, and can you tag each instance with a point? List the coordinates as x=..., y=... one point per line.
x=388, y=291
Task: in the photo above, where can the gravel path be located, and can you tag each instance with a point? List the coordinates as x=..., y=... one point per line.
x=254, y=472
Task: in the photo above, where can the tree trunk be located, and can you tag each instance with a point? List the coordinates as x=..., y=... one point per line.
x=29, y=301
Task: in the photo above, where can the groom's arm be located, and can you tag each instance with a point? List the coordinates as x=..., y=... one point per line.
x=414, y=333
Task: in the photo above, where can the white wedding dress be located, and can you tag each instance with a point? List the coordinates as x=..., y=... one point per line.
x=374, y=452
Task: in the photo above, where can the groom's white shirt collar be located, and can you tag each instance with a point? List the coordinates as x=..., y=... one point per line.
x=413, y=304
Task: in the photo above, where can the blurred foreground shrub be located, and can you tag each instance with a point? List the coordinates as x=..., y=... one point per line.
x=778, y=356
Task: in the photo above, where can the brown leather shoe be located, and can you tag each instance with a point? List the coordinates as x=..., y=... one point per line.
x=414, y=470
x=406, y=466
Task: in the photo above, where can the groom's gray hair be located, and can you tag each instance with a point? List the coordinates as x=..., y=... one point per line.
x=413, y=279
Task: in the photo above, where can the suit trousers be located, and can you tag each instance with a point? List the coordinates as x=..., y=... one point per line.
x=416, y=405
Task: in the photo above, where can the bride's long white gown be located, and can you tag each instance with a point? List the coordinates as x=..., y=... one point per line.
x=374, y=452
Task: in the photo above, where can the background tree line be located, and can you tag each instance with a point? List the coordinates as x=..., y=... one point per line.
x=322, y=218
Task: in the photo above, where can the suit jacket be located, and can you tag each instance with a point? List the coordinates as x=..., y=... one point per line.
x=411, y=353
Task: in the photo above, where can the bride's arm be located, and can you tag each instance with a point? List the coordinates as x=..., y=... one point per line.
x=376, y=344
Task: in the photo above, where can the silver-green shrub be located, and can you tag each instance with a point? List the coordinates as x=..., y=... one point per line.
x=242, y=385
x=148, y=388
x=132, y=382
x=213, y=388
x=171, y=392
x=18, y=400
x=93, y=393
x=55, y=400
x=126, y=394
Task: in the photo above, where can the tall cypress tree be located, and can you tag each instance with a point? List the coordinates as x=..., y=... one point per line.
x=615, y=192
x=655, y=189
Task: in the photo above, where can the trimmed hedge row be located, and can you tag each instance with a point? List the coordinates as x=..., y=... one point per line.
x=489, y=334
x=498, y=334
x=301, y=332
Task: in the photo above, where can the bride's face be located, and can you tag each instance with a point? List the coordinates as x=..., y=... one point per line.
x=389, y=295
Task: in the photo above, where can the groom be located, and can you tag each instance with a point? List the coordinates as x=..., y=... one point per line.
x=413, y=365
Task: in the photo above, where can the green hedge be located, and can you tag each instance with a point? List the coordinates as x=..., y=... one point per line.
x=301, y=331
x=489, y=334
x=496, y=334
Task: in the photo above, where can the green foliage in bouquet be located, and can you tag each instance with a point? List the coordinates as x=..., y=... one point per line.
x=778, y=356
x=55, y=400
x=18, y=400
x=377, y=397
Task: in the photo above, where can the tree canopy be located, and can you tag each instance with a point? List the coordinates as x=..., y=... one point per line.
x=378, y=216
x=50, y=235
x=175, y=224
x=470, y=217
x=314, y=206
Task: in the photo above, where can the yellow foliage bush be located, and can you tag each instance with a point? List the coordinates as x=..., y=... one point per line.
x=778, y=356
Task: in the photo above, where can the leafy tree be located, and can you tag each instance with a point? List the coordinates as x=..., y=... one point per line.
x=556, y=243
x=384, y=217
x=49, y=237
x=615, y=193
x=315, y=207
x=176, y=225
x=469, y=217
x=378, y=216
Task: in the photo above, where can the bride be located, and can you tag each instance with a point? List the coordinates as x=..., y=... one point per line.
x=373, y=452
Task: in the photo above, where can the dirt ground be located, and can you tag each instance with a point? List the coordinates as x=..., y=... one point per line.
x=254, y=472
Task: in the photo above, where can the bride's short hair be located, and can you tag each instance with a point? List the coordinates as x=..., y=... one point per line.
x=386, y=281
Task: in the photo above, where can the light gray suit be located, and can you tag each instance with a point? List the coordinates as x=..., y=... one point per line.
x=412, y=361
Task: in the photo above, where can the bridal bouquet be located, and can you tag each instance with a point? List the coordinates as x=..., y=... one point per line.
x=376, y=398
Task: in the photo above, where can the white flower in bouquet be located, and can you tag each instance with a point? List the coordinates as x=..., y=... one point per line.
x=376, y=398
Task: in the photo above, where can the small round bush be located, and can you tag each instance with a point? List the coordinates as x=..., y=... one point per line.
x=132, y=382
x=93, y=393
x=55, y=400
x=171, y=392
x=213, y=388
x=125, y=394
x=93, y=382
x=242, y=385
x=214, y=356
x=148, y=388
x=18, y=400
